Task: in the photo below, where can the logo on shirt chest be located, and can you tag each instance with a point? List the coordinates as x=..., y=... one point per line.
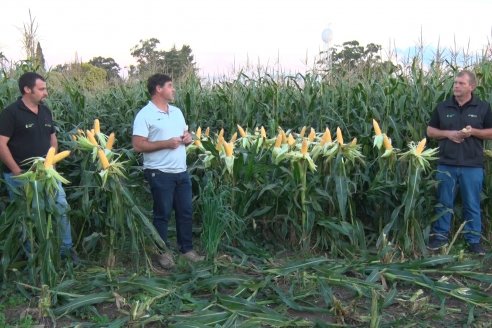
x=449, y=115
x=472, y=115
x=29, y=125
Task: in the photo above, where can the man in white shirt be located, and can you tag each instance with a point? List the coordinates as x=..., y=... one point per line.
x=161, y=134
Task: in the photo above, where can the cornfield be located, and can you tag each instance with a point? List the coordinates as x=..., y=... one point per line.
x=313, y=197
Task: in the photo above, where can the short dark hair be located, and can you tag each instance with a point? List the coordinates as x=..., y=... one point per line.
x=157, y=80
x=29, y=80
x=472, y=79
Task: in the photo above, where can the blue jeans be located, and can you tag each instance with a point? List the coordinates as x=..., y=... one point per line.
x=172, y=191
x=61, y=204
x=469, y=181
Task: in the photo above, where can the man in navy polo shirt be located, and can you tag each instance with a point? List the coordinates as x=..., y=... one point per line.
x=26, y=131
x=161, y=134
x=460, y=123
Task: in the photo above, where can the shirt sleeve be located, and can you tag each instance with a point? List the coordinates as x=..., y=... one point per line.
x=487, y=121
x=6, y=123
x=140, y=127
x=434, y=121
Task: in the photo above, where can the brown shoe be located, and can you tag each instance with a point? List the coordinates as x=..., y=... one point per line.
x=192, y=256
x=165, y=260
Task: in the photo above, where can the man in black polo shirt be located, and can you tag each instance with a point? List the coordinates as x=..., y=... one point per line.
x=26, y=131
x=460, y=123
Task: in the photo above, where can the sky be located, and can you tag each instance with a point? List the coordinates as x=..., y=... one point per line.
x=226, y=35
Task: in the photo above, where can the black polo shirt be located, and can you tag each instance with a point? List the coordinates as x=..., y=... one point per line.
x=449, y=115
x=29, y=133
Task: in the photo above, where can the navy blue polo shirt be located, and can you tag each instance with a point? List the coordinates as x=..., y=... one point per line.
x=449, y=115
x=29, y=133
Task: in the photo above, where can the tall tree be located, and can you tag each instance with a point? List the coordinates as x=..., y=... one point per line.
x=151, y=60
x=109, y=65
x=40, y=61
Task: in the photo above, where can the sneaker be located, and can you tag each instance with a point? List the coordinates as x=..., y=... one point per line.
x=192, y=256
x=436, y=244
x=166, y=260
x=476, y=249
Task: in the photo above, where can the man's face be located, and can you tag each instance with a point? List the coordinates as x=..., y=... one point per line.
x=166, y=91
x=462, y=87
x=38, y=93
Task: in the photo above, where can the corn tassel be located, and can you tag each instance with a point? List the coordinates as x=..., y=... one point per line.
x=90, y=136
x=420, y=146
x=199, y=132
x=241, y=131
x=304, y=147
x=387, y=143
x=339, y=136
x=48, y=161
x=97, y=126
x=312, y=135
x=377, y=129
x=303, y=131
x=103, y=159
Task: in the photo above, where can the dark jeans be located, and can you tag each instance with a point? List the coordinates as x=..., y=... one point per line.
x=172, y=191
x=469, y=181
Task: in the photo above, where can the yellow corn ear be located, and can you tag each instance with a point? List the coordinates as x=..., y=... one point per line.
x=241, y=131
x=97, y=126
x=90, y=136
x=48, y=161
x=74, y=137
x=284, y=137
x=58, y=157
x=377, y=129
x=110, y=142
x=339, y=136
x=199, y=132
x=207, y=132
x=263, y=132
x=103, y=159
x=80, y=132
x=220, y=142
x=326, y=137
x=303, y=131
x=228, y=149
x=234, y=137
x=221, y=133
x=290, y=140
x=278, y=141
x=420, y=146
x=387, y=142
x=354, y=142
x=312, y=135
x=198, y=143
x=304, y=147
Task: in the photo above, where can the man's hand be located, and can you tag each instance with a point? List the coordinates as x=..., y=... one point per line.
x=187, y=138
x=460, y=135
x=174, y=143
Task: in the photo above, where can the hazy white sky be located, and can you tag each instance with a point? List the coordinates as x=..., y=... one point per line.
x=224, y=33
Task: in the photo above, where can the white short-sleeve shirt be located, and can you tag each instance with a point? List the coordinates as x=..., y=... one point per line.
x=155, y=124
